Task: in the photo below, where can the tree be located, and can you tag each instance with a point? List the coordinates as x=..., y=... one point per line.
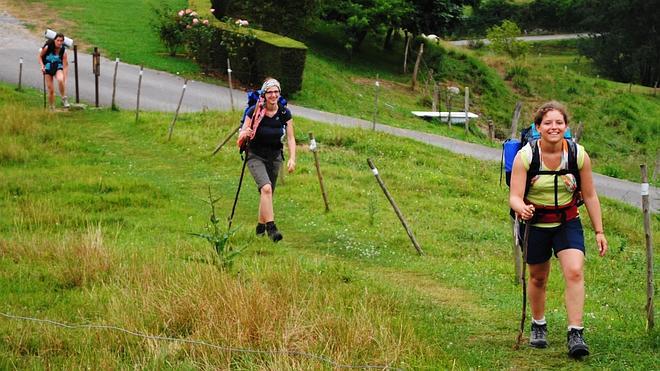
x=625, y=44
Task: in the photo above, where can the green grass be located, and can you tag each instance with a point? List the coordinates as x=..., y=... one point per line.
x=621, y=129
x=96, y=212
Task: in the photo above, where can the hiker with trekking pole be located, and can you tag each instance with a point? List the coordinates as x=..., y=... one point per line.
x=266, y=124
x=551, y=177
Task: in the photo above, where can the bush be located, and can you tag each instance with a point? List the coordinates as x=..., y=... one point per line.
x=503, y=39
x=254, y=54
x=170, y=31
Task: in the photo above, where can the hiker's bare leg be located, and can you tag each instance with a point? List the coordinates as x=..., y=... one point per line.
x=538, y=280
x=572, y=265
x=59, y=76
x=266, y=204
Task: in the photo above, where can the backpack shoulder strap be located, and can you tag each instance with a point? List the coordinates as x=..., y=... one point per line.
x=534, y=165
x=573, y=161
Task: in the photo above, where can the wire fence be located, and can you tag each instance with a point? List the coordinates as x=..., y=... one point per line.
x=310, y=356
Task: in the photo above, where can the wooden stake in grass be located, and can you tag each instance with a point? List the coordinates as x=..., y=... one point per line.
x=377, y=88
x=137, y=104
x=405, y=54
x=231, y=86
x=20, y=73
x=491, y=130
x=219, y=146
x=313, y=148
x=578, y=132
x=416, y=69
x=467, y=109
x=176, y=113
x=114, y=85
x=434, y=106
x=75, y=70
x=396, y=208
x=96, y=67
x=524, y=288
x=648, y=233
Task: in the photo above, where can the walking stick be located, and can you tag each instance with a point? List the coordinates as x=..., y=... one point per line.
x=524, y=286
x=240, y=182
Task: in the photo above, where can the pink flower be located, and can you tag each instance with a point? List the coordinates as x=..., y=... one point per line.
x=188, y=27
x=205, y=22
x=194, y=14
x=212, y=10
x=181, y=13
x=195, y=21
x=188, y=11
x=242, y=22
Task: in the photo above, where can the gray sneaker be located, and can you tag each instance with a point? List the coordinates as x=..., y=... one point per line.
x=65, y=102
x=577, y=348
x=538, y=335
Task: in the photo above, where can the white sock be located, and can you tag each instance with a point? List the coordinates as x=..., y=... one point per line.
x=571, y=327
x=539, y=322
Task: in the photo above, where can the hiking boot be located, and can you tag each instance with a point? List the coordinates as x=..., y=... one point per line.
x=65, y=102
x=576, y=346
x=261, y=230
x=537, y=337
x=272, y=231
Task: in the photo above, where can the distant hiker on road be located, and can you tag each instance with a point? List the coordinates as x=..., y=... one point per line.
x=265, y=126
x=551, y=177
x=54, y=63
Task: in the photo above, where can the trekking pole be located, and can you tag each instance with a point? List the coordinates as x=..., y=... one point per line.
x=219, y=146
x=524, y=286
x=44, y=78
x=238, y=190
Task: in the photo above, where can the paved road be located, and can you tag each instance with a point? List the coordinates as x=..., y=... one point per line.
x=161, y=92
x=529, y=38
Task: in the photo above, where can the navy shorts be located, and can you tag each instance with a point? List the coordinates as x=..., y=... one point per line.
x=543, y=241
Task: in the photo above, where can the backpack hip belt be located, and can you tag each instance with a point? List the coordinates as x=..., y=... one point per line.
x=555, y=214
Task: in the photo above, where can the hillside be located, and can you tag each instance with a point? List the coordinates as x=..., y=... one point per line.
x=97, y=213
x=620, y=126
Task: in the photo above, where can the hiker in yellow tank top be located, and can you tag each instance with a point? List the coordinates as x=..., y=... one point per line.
x=542, y=188
x=554, y=197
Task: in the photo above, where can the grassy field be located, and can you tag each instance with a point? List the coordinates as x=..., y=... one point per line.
x=621, y=129
x=96, y=215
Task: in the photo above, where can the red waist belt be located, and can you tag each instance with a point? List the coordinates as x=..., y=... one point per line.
x=553, y=214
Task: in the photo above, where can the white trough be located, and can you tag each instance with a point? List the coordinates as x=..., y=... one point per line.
x=457, y=117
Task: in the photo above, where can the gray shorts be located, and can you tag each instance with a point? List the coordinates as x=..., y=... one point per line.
x=264, y=171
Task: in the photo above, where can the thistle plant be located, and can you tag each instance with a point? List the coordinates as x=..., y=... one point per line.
x=224, y=253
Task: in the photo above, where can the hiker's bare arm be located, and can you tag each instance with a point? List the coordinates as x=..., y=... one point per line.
x=291, y=142
x=517, y=191
x=42, y=52
x=246, y=128
x=592, y=203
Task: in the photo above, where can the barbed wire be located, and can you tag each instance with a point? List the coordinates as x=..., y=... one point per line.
x=199, y=342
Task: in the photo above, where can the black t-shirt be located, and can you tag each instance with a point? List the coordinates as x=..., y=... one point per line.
x=268, y=138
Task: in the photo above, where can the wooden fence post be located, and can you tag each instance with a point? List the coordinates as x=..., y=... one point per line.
x=75, y=69
x=176, y=113
x=436, y=97
x=231, y=86
x=96, y=66
x=578, y=132
x=20, y=73
x=396, y=208
x=313, y=148
x=648, y=233
x=491, y=130
x=114, y=85
x=416, y=69
x=373, y=126
x=467, y=110
x=137, y=105
x=405, y=54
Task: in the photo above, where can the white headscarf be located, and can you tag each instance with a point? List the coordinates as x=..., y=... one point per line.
x=269, y=84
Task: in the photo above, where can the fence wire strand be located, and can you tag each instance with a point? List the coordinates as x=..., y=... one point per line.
x=198, y=342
